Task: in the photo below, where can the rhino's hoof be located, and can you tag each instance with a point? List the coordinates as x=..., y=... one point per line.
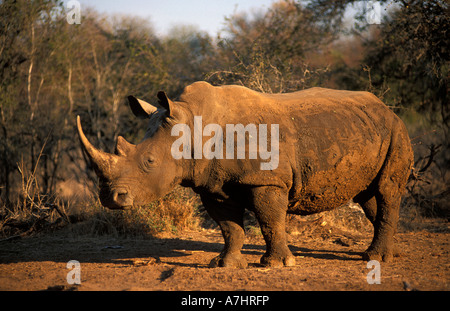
x=378, y=256
x=272, y=261
x=229, y=260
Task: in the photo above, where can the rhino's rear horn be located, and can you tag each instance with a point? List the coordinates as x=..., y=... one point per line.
x=123, y=147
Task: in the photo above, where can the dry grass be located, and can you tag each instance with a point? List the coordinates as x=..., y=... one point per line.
x=349, y=218
x=175, y=212
x=33, y=211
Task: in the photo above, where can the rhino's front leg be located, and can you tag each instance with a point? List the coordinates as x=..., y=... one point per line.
x=231, y=221
x=270, y=206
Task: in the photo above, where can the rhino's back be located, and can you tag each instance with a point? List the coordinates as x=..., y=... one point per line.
x=232, y=104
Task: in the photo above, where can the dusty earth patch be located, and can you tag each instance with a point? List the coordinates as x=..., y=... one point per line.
x=326, y=259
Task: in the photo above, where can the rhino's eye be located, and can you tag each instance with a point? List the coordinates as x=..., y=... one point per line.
x=147, y=163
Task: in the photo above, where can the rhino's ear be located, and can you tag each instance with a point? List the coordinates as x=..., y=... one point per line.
x=165, y=102
x=140, y=108
x=143, y=110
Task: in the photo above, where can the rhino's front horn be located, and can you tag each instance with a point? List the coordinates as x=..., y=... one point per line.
x=103, y=162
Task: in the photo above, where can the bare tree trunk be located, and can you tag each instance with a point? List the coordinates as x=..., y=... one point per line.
x=4, y=191
x=57, y=152
x=30, y=70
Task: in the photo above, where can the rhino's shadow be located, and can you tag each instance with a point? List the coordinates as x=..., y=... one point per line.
x=101, y=250
x=345, y=255
x=120, y=251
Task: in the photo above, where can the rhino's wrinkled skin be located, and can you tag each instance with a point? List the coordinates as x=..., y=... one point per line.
x=334, y=146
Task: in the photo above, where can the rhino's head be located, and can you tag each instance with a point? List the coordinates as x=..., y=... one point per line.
x=137, y=174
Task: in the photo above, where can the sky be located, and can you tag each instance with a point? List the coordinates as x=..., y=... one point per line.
x=206, y=15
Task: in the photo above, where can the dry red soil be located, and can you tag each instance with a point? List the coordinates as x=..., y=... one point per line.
x=326, y=259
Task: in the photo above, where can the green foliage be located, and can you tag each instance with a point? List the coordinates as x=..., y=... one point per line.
x=411, y=56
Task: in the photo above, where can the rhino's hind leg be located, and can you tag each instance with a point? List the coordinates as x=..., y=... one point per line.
x=382, y=203
x=270, y=206
x=230, y=219
x=368, y=202
x=385, y=226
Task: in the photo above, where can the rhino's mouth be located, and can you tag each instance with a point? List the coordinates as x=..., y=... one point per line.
x=114, y=205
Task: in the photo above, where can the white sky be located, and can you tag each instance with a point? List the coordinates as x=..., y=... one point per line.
x=206, y=15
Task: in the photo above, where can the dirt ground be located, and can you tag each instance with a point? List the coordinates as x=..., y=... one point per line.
x=326, y=259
